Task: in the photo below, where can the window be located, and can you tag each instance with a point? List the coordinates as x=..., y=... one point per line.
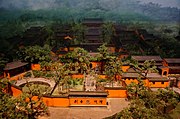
x=165, y=73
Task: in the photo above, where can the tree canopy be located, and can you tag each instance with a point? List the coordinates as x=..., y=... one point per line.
x=35, y=54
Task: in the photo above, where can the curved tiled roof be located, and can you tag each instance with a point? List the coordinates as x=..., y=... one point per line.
x=172, y=60
x=144, y=58
x=14, y=65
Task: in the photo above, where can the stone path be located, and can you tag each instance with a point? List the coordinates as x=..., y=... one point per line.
x=177, y=90
x=115, y=105
x=23, y=81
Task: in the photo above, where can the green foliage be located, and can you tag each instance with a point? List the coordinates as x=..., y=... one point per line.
x=36, y=88
x=113, y=68
x=12, y=28
x=61, y=75
x=79, y=59
x=45, y=74
x=37, y=73
x=108, y=32
x=50, y=34
x=168, y=96
x=3, y=62
x=145, y=103
x=146, y=67
x=35, y=54
x=175, y=113
x=22, y=107
x=118, y=10
x=104, y=54
x=102, y=80
x=28, y=74
x=148, y=104
x=78, y=33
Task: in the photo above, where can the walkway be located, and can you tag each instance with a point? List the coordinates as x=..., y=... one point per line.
x=51, y=83
x=116, y=105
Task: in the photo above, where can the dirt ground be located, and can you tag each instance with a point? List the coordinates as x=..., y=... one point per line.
x=115, y=105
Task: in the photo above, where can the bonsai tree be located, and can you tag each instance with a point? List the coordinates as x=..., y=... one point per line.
x=145, y=103
x=107, y=32
x=104, y=54
x=78, y=32
x=35, y=54
x=146, y=67
x=113, y=69
x=79, y=59
x=23, y=106
x=62, y=74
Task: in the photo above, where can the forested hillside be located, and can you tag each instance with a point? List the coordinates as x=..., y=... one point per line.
x=78, y=9
x=17, y=16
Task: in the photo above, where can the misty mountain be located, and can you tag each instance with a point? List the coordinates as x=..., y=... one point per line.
x=164, y=3
x=108, y=9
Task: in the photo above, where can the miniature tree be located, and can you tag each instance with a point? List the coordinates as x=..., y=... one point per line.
x=3, y=62
x=146, y=67
x=113, y=69
x=79, y=59
x=35, y=54
x=107, y=32
x=145, y=103
x=142, y=70
x=78, y=32
x=62, y=74
x=104, y=54
x=23, y=106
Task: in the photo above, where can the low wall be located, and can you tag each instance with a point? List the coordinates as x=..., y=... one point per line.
x=58, y=101
x=65, y=101
x=17, y=77
x=35, y=67
x=75, y=76
x=16, y=91
x=102, y=76
x=125, y=68
x=129, y=81
x=116, y=92
x=87, y=101
x=159, y=84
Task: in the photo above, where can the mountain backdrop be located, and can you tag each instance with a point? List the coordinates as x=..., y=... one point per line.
x=161, y=10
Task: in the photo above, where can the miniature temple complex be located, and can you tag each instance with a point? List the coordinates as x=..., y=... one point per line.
x=94, y=89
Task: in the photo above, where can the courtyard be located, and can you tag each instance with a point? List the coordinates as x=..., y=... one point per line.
x=114, y=105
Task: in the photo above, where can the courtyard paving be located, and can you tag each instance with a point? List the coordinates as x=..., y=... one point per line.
x=115, y=105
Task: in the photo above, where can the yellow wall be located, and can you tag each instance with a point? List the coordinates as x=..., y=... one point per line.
x=16, y=92
x=130, y=80
x=125, y=68
x=17, y=77
x=158, y=84
x=77, y=76
x=102, y=76
x=35, y=67
x=71, y=48
x=94, y=101
x=56, y=101
x=117, y=93
x=95, y=64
